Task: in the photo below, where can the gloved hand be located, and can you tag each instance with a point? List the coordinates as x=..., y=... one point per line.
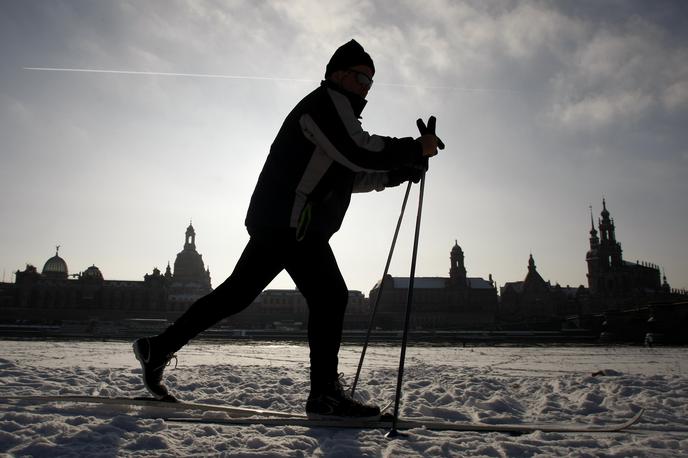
x=428, y=143
x=407, y=173
x=429, y=129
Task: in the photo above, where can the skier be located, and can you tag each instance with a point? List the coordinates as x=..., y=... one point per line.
x=320, y=156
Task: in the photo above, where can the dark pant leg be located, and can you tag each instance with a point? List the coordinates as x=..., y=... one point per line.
x=261, y=261
x=314, y=269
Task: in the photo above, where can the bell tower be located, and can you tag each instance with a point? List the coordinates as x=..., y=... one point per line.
x=610, y=249
x=457, y=271
x=190, y=243
x=593, y=256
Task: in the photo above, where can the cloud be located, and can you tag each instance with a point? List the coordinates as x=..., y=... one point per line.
x=620, y=76
x=530, y=29
x=675, y=97
x=675, y=92
x=601, y=110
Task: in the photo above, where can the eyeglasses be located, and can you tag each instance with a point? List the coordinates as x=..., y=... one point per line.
x=362, y=78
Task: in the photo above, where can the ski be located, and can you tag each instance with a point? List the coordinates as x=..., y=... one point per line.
x=406, y=424
x=238, y=416
x=238, y=412
x=174, y=404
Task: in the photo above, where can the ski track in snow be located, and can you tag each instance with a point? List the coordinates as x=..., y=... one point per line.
x=486, y=384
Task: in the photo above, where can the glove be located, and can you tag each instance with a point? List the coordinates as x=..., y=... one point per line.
x=429, y=129
x=407, y=173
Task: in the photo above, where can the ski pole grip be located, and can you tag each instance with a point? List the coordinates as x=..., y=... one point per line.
x=429, y=129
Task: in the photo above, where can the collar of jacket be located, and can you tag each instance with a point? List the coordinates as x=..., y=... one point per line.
x=358, y=103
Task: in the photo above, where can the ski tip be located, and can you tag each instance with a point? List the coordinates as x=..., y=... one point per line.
x=638, y=415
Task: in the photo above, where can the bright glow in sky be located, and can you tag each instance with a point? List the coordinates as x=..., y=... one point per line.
x=545, y=108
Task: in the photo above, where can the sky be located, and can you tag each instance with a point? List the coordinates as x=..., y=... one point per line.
x=545, y=107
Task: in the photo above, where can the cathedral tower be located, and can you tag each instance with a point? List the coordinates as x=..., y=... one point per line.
x=188, y=267
x=609, y=275
x=457, y=271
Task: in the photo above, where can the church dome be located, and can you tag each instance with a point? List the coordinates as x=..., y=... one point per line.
x=189, y=264
x=92, y=273
x=55, y=267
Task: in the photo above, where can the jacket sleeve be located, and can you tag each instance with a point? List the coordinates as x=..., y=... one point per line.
x=334, y=128
x=370, y=181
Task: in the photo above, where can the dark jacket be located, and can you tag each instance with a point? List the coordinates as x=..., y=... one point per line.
x=320, y=156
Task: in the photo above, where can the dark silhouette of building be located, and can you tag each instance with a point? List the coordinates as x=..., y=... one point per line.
x=55, y=268
x=190, y=280
x=619, y=293
x=287, y=309
x=535, y=304
x=439, y=303
x=54, y=295
x=611, y=280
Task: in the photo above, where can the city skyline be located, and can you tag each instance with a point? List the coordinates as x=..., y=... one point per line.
x=545, y=108
x=168, y=267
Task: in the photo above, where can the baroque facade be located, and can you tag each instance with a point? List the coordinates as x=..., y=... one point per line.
x=190, y=280
x=535, y=303
x=439, y=303
x=54, y=295
x=613, y=284
x=612, y=280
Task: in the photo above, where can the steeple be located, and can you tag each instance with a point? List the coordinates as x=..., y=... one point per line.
x=610, y=249
x=605, y=212
x=606, y=224
x=594, y=240
x=533, y=282
x=190, y=242
x=457, y=271
x=188, y=267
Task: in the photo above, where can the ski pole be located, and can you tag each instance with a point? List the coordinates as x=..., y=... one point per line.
x=409, y=300
x=379, y=291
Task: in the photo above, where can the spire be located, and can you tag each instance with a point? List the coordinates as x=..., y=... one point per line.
x=168, y=271
x=533, y=283
x=457, y=270
x=190, y=238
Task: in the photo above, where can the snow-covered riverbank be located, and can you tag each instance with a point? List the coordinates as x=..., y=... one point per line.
x=487, y=384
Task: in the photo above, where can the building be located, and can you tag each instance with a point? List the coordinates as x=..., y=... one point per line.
x=439, y=303
x=55, y=295
x=617, y=290
x=287, y=309
x=612, y=281
x=534, y=303
x=190, y=280
x=52, y=295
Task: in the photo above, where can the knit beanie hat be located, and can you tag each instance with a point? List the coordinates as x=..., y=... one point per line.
x=348, y=55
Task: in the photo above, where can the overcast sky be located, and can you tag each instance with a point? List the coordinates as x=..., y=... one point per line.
x=545, y=107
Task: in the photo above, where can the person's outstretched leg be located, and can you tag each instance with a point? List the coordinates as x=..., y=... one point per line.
x=260, y=262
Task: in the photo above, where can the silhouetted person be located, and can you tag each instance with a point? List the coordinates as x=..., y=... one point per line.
x=320, y=156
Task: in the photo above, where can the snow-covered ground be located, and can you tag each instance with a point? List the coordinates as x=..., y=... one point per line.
x=487, y=384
